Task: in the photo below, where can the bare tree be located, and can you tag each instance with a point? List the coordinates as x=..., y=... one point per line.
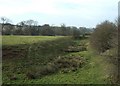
x=31, y=22
x=4, y=20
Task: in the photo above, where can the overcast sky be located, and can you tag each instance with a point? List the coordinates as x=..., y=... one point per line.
x=78, y=13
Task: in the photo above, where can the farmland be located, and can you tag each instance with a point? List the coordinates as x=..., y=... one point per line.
x=37, y=59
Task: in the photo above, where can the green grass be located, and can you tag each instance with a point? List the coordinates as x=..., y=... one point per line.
x=15, y=40
x=39, y=51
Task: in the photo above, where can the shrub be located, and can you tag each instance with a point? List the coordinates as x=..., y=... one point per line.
x=47, y=70
x=62, y=64
x=31, y=75
x=69, y=62
x=101, y=39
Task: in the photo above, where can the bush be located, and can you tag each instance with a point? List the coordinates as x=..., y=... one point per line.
x=101, y=39
x=47, y=70
x=69, y=62
x=62, y=64
x=31, y=75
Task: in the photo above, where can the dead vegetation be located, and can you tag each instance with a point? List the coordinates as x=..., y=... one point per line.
x=61, y=64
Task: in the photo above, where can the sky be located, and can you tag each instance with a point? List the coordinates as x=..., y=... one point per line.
x=79, y=13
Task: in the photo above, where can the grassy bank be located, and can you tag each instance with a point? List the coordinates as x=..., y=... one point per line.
x=23, y=54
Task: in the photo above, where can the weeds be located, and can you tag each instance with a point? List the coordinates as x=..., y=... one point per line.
x=62, y=64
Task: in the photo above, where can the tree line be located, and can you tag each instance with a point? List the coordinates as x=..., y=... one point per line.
x=31, y=27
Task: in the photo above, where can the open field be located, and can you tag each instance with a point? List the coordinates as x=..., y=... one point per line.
x=24, y=57
x=14, y=40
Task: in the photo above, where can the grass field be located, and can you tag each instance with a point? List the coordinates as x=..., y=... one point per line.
x=30, y=54
x=17, y=40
